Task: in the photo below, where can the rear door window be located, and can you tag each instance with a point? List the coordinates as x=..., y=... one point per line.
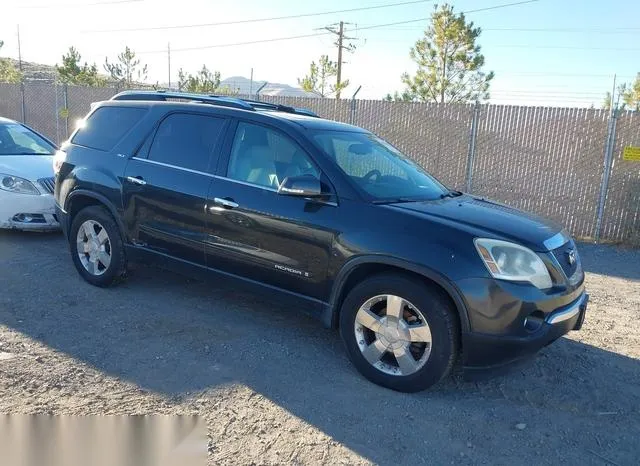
x=187, y=140
x=107, y=126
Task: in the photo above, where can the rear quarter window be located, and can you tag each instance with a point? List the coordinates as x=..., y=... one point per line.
x=107, y=126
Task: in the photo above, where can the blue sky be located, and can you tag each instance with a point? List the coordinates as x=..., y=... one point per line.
x=550, y=52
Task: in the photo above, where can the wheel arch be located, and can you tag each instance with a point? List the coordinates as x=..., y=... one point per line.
x=81, y=198
x=356, y=270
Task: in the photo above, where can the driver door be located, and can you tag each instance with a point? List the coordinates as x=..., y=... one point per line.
x=256, y=233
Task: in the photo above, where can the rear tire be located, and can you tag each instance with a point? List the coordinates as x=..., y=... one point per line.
x=96, y=247
x=386, y=323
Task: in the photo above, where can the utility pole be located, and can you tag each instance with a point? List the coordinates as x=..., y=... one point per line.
x=23, y=104
x=169, y=63
x=19, y=51
x=338, y=29
x=339, y=74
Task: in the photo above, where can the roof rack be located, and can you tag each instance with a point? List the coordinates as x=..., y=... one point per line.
x=223, y=101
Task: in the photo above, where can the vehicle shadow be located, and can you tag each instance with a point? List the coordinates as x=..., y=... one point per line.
x=178, y=337
x=606, y=259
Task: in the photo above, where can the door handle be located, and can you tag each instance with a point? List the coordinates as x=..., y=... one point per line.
x=225, y=203
x=136, y=180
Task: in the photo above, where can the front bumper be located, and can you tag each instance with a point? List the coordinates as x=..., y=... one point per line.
x=63, y=218
x=489, y=352
x=28, y=212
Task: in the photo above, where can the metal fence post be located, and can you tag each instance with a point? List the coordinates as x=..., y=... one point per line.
x=65, y=94
x=23, y=104
x=472, y=147
x=606, y=173
x=352, y=116
x=56, y=110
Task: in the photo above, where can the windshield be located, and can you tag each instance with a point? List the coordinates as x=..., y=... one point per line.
x=16, y=139
x=378, y=168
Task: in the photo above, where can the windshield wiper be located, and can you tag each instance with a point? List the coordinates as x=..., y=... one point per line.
x=451, y=194
x=395, y=200
x=28, y=153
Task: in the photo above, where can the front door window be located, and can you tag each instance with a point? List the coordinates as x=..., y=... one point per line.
x=265, y=157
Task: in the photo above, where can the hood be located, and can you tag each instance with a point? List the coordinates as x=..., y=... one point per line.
x=496, y=219
x=31, y=167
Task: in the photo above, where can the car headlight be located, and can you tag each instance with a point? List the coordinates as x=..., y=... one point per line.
x=510, y=261
x=18, y=185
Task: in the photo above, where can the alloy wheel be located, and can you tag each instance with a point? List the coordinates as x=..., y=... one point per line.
x=94, y=247
x=393, y=335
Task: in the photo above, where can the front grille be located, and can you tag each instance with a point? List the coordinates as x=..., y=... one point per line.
x=562, y=255
x=49, y=184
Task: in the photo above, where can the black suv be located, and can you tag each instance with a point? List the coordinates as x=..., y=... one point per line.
x=326, y=217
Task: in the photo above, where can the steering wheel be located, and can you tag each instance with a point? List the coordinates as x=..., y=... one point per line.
x=371, y=174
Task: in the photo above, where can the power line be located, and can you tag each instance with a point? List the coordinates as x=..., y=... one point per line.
x=577, y=73
x=516, y=46
x=627, y=30
x=302, y=15
x=277, y=39
x=603, y=30
x=523, y=93
x=550, y=94
x=564, y=47
x=77, y=5
x=551, y=99
x=495, y=7
x=496, y=93
x=251, y=42
x=258, y=20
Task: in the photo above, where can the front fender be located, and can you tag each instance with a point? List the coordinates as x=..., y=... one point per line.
x=373, y=259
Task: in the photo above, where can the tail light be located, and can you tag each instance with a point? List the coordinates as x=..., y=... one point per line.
x=58, y=160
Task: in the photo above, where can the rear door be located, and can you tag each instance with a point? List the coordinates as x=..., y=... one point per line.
x=166, y=184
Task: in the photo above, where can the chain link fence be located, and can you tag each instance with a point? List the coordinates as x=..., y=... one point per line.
x=565, y=164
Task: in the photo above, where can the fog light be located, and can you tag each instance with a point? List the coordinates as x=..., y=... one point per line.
x=22, y=218
x=29, y=218
x=534, y=321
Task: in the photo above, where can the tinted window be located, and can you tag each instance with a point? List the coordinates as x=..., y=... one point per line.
x=16, y=139
x=377, y=167
x=106, y=127
x=186, y=140
x=266, y=157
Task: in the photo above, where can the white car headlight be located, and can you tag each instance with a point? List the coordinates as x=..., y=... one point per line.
x=510, y=261
x=18, y=185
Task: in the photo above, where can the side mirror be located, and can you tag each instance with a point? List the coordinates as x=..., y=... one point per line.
x=301, y=186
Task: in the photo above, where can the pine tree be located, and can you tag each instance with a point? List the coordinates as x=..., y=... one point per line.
x=449, y=62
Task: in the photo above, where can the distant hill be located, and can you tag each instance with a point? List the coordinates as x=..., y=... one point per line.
x=47, y=74
x=37, y=71
x=244, y=86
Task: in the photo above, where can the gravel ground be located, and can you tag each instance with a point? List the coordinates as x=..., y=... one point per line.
x=276, y=387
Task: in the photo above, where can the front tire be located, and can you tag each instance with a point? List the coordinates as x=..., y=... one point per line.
x=96, y=247
x=399, y=333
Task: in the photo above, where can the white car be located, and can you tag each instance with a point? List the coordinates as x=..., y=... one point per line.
x=26, y=178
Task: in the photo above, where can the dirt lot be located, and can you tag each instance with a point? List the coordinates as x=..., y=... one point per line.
x=277, y=388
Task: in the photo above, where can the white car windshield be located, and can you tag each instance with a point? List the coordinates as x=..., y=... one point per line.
x=16, y=139
x=378, y=168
